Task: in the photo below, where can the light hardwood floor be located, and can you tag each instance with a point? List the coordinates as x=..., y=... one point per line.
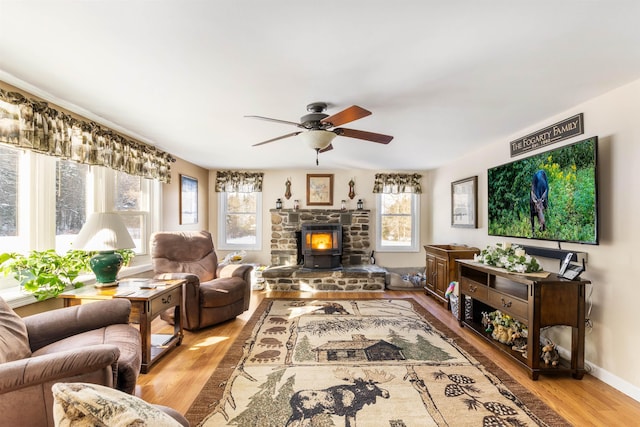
x=177, y=378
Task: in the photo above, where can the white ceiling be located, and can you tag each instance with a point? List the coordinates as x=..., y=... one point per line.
x=442, y=77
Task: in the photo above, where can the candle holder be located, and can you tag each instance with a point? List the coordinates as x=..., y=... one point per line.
x=279, y=204
x=360, y=205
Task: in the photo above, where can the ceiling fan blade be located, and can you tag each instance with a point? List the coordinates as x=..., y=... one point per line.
x=361, y=134
x=327, y=148
x=269, y=119
x=347, y=115
x=277, y=138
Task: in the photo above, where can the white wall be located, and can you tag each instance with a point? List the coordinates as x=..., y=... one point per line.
x=611, y=347
x=274, y=188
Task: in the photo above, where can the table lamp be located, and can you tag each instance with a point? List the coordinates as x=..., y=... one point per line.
x=105, y=233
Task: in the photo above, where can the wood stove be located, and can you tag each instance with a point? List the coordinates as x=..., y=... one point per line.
x=321, y=245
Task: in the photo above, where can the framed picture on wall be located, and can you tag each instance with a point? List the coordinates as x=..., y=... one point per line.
x=464, y=203
x=319, y=189
x=188, y=200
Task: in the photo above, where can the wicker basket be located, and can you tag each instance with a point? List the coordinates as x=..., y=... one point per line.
x=455, y=306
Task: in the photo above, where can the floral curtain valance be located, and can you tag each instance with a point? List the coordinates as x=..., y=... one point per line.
x=397, y=183
x=239, y=182
x=36, y=126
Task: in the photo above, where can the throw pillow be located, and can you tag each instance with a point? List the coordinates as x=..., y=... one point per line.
x=416, y=279
x=88, y=405
x=14, y=341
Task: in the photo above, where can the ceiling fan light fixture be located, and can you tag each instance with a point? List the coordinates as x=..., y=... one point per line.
x=318, y=139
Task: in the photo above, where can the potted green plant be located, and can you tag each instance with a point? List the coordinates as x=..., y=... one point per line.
x=45, y=274
x=127, y=256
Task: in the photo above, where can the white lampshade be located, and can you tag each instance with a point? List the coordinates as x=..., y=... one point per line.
x=318, y=139
x=104, y=231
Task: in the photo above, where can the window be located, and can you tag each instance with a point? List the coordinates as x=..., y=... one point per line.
x=132, y=205
x=8, y=191
x=45, y=201
x=72, y=187
x=240, y=224
x=397, y=222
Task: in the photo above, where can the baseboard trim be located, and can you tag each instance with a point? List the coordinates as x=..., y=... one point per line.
x=606, y=377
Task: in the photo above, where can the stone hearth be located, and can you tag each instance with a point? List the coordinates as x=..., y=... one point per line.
x=354, y=278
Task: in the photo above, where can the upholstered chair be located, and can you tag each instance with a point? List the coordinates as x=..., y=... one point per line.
x=212, y=292
x=91, y=343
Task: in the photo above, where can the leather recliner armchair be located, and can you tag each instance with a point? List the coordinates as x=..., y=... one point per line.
x=212, y=292
x=86, y=343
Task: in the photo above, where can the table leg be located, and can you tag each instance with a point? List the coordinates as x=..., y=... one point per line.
x=145, y=335
x=177, y=325
x=70, y=302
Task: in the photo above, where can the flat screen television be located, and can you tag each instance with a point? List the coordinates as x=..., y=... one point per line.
x=549, y=196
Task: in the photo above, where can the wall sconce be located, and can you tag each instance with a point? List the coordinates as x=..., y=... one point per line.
x=287, y=191
x=352, y=191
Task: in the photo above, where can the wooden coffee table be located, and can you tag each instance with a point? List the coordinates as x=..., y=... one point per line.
x=146, y=305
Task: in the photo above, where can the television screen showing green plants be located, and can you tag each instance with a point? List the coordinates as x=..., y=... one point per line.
x=548, y=196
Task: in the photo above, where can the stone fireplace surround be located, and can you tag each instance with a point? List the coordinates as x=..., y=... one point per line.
x=356, y=274
x=356, y=239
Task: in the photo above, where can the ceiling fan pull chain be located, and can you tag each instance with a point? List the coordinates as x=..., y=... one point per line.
x=317, y=153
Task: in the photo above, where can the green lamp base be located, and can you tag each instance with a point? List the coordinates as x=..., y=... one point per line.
x=106, y=265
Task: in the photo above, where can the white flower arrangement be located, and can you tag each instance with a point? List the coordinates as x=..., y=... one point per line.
x=510, y=257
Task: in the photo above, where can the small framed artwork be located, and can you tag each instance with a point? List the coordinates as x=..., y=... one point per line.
x=188, y=200
x=464, y=203
x=319, y=189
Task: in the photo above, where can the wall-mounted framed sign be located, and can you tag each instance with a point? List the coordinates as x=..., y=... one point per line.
x=551, y=134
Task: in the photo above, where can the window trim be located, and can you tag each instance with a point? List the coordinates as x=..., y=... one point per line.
x=415, y=226
x=222, y=225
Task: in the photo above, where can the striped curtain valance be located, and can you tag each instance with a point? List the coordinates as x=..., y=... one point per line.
x=37, y=126
x=239, y=182
x=397, y=183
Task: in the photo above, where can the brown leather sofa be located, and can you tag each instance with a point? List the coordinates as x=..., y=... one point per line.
x=91, y=343
x=212, y=292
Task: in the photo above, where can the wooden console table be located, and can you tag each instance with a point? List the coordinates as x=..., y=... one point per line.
x=537, y=302
x=146, y=305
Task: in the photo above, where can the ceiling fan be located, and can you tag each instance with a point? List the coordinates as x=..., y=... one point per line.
x=320, y=128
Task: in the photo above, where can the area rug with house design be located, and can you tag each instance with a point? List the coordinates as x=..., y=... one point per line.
x=365, y=362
